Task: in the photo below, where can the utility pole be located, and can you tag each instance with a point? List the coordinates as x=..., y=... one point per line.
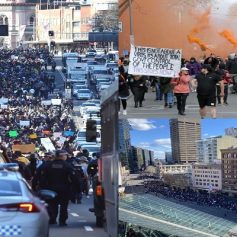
x=131, y=23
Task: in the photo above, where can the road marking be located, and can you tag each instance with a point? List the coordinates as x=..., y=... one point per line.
x=88, y=228
x=74, y=214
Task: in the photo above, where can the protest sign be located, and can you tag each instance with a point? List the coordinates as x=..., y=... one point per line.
x=46, y=102
x=4, y=106
x=68, y=133
x=25, y=148
x=24, y=123
x=160, y=62
x=47, y=143
x=3, y=101
x=56, y=101
x=33, y=136
x=57, y=134
x=13, y=133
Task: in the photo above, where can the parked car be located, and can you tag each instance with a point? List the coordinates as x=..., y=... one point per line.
x=21, y=212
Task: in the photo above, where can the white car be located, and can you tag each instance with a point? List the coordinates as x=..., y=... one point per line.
x=78, y=87
x=83, y=94
x=85, y=106
x=21, y=212
x=91, y=113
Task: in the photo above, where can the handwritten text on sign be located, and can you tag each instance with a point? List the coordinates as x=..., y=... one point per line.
x=155, y=61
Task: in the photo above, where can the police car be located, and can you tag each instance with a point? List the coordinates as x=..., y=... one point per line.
x=21, y=212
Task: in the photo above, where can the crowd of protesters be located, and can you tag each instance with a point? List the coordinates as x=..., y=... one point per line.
x=220, y=78
x=28, y=114
x=214, y=199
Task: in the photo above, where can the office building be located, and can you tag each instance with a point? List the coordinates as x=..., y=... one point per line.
x=229, y=169
x=207, y=176
x=184, y=133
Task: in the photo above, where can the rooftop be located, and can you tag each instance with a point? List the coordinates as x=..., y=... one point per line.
x=173, y=219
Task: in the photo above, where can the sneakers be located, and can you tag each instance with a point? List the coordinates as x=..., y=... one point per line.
x=125, y=112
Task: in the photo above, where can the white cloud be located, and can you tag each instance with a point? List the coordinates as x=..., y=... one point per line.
x=141, y=124
x=144, y=145
x=206, y=135
x=162, y=126
x=163, y=142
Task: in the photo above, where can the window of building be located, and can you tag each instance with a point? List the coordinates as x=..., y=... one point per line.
x=3, y=20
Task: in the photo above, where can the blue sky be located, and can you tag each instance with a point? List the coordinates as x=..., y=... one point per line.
x=154, y=134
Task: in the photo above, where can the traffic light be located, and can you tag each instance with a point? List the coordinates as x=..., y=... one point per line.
x=68, y=85
x=91, y=130
x=52, y=44
x=51, y=33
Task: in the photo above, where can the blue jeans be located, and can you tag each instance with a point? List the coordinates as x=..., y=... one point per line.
x=159, y=94
x=169, y=97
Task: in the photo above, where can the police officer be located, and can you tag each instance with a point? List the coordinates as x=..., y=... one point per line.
x=59, y=176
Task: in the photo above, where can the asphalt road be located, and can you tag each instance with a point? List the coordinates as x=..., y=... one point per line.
x=155, y=109
x=81, y=222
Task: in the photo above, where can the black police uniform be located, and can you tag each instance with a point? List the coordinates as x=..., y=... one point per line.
x=59, y=176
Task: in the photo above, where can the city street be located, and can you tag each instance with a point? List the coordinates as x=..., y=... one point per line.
x=81, y=222
x=155, y=109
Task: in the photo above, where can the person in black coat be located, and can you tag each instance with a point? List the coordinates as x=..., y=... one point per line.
x=138, y=84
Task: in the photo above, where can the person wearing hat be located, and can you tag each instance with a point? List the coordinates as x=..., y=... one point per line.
x=205, y=82
x=59, y=176
x=181, y=89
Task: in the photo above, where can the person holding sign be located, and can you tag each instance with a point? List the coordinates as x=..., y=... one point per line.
x=181, y=89
x=205, y=82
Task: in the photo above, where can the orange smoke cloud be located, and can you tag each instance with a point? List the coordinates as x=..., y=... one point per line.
x=198, y=41
x=203, y=22
x=229, y=36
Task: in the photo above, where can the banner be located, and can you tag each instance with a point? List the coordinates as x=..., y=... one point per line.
x=47, y=143
x=13, y=133
x=160, y=62
x=3, y=100
x=26, y=148
x=46, y=102
x=56, y=101
x=24, y=123
x=68, y=134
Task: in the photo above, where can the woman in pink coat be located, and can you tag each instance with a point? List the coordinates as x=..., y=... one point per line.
x=181, y=89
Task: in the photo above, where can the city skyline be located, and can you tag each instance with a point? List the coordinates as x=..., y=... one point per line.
x=154, y=134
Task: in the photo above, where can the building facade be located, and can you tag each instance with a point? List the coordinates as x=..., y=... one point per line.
x=231, y=132
x=125, y=148
x=184, y=133
x=207, y=176
x=229, y=169
x=19, y=15
x=177, y=168
x=209, y=149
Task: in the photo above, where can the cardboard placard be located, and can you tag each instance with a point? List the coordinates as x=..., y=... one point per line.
x=13, y=133
x=46, y=102
x=68, y=133
x=25, y=148
x=56, y=101
x=47, y=143
x=24, y=123
x=160, y=62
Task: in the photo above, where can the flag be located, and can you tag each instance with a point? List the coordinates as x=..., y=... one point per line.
x=21, y=31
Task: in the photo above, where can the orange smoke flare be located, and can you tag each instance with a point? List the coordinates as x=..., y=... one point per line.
x=203, y=22
x=198, y=41
x=229, y=36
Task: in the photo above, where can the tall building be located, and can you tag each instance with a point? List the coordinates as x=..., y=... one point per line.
x=209, y=149
x=184, y=133
x=125, y=147
x=229, y=169
x=140, y=159
x=168, y=157
x=231, y=132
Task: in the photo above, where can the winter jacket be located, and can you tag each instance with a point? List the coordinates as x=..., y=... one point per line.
x=181, y=84
x=231, y=66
